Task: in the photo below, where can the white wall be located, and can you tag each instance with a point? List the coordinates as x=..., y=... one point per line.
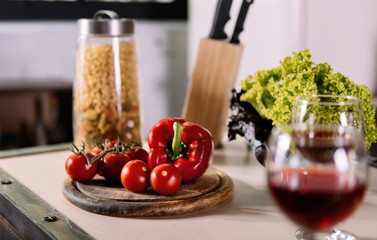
x=163, y=68
x=344, y=33
x=36, y=52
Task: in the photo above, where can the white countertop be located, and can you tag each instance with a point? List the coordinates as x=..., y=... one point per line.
x=249, y=215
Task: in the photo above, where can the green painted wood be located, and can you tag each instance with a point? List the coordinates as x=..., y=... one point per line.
x=26, y=213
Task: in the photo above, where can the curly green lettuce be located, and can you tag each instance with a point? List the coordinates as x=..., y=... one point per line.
x=272, y=92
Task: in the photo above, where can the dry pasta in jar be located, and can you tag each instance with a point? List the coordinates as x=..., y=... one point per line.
x=106, y=91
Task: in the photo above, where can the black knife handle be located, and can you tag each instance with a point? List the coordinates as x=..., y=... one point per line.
x=222, y=16
x=240, y=21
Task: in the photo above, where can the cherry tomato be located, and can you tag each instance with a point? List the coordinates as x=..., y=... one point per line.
x=165, y=179
x=112, y=164
x=138, y=153
x=96, y=150
x=135, y=176
x=78, y=169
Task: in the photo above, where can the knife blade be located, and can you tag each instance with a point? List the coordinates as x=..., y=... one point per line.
x=240, y=21
x=222, y=16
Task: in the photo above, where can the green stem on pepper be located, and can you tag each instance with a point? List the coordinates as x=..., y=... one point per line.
x=176, y=149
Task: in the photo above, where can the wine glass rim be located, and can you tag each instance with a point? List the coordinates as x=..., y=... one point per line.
x=352, y=99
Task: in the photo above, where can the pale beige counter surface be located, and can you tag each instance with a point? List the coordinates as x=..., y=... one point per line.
x=249, y=215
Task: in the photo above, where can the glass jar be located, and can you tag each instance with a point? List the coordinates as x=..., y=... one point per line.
x=106, y=101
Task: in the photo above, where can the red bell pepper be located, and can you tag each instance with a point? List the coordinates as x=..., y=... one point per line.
x=187, y=145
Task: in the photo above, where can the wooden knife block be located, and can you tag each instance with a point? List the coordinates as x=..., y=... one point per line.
x=208, y=96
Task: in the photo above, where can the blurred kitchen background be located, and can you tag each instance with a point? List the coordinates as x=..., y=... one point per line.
x=38, y=44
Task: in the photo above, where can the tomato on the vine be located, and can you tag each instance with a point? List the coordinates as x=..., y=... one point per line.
x=111, y=165
x=96, y=150
x=138, y=153
x=78, y=168
x=135, y=176
x=165, y=179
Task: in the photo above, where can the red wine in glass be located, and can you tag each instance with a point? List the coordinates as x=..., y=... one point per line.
x=316, y=198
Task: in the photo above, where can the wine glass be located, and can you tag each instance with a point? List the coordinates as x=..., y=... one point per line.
x=317, y=165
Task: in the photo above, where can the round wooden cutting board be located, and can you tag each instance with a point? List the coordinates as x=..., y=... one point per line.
x=99, y=196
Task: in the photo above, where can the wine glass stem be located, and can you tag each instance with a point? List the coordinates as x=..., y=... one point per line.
x=334, y=234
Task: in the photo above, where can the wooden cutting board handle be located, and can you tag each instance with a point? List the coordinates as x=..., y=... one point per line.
x=208, y=96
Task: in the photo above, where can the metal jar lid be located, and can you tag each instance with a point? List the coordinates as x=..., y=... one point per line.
x=110, y=26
